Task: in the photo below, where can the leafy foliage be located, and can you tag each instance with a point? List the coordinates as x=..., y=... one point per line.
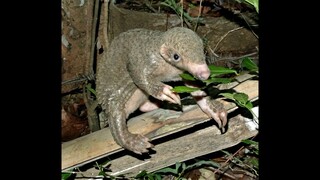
x=184, y=89
x=102, y=170
x=178, y=9
x=89, y=88
x=254, y=3
x=215, y=72
x=253, y=144
x=65, y=175
x=248, y=64
x=241, y=99
x=216, y=76
x=178, y=171
x=249, y=160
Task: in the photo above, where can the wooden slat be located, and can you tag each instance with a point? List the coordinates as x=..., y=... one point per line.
x=186, y=147
x=154, y=124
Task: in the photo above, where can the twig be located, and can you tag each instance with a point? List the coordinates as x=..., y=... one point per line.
x=75, y=80
x=199, y=14
x=235, y=58
x=231, y=157
x=245, y=172
x=81, y=78
x=91, y=105
x=181, y=1
x=182, y=15
x=216, y=55
x=93, y=35
x=225, y=36
x=148, y=4
x=106, y=19
x=249, y=26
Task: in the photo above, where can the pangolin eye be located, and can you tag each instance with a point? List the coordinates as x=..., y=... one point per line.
x=176, y=57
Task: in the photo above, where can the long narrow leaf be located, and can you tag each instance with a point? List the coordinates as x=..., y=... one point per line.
x=254, y=3
x=218, y=80
x=158, y=177
x=167, y=170
x=184, y=89
x=227, y=95
x=250, y=142
x=65, y=176
x=218, y=70
x=187, y=76
x=203, y=162
x=141, y=174
x=241, y=97
x=249, y=64
x=249, y=105
x=91, y=89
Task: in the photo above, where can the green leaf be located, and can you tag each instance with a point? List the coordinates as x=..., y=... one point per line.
x=217, y=80
x=184, y=89
x=91, y=90
x=249, y=64
x=227, y=95
x=203, y=162
x=250, y=142
x=167, y=170
x=150, y=177
x=241, y=97
x=218, y=70
x=102, y=173
x=254, y=162
x=187, y=76
x=65, y=176
x=249, y=105
x=105, y=163
x=178, y=165
x=141, y=174
x=254, y=3
x=183, y=166
x=170, y=170
x=226, y=152
x=157, y=176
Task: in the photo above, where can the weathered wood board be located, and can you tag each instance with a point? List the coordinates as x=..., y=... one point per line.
x=158, y=124
x=186, y=147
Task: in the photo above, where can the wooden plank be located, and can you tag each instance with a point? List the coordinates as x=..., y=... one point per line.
x=154, y=124
x=201, y=142
x=203, y=139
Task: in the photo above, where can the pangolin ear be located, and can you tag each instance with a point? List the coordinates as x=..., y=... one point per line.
x=165, y=51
